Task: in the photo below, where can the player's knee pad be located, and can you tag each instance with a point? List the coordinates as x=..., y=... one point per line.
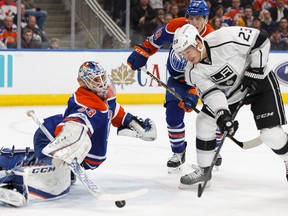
x=10, y=158
x=73, y=142
x=174, y=114
x=40, y=182
x=276, y=139
x=205, y=127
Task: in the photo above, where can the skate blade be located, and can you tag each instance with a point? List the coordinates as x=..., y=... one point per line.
x=193, y=186
x=173, y=170
x=11, y=197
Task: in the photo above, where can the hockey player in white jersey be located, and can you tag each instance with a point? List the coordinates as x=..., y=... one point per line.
x=221, y=66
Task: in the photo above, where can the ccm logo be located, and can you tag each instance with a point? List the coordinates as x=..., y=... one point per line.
x=264, y=115
x=44, y=170
x=282, y=73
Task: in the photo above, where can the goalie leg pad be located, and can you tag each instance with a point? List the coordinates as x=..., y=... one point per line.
x=73, y=142
x=36, y=183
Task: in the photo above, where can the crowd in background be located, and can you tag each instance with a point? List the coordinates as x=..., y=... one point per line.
x=32, y=22
x=269, y=16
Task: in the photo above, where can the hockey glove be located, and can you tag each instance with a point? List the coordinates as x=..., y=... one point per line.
x=190, y=101
x=139, y=128
x=138, y=57
x=250, y=79
x=225, y=123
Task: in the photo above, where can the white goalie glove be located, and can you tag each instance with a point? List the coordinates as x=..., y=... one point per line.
x=139, y=128
x=72, y=143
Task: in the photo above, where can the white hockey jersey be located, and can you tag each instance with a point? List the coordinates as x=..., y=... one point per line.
x=230, y=52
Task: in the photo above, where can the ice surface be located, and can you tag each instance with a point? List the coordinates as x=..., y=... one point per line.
x=249, y=183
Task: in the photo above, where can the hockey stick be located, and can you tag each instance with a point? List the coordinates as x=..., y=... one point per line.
x=79, y=171
x=244, y=145
x=200, y=187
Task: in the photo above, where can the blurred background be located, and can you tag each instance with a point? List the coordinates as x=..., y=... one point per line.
x=120, y=24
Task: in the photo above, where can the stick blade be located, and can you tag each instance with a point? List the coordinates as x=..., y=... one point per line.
x=123, y=196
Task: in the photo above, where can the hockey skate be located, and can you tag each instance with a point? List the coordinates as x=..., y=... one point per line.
x=174, y=164
x=192, y=180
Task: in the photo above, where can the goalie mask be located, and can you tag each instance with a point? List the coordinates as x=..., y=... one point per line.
x=93, y=76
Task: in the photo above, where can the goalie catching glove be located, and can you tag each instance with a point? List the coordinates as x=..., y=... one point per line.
x=139, y=128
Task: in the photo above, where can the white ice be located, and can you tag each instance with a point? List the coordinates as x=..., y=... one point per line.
x=249, y=183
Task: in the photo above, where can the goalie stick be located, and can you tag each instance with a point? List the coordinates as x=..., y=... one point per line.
x=244, y=145
x=79, y=171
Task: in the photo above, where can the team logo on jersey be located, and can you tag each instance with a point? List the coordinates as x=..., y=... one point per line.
x=177, y=61
x=225, y=77
x=281, y=72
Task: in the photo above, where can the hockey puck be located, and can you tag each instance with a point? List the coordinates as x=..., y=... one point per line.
x=120, y=204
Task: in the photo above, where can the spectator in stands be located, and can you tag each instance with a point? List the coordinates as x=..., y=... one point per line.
x=284, y=28
x=167, y=17
x=157, y=21
x=140, y=14
x=174, y=10
x=219, y=12
x=235, y=10
x=8, y=33
x=23, y=19
x=215, y=22
x=276, y=42
x=33, y=10
x=54, y=43
x=259, y=5
x=27, y=41
x=247, y=18
x=267, y=22
x=167, y=5
x=7, y=8
x=182, y=5
x=278, y=11
x=257, y=24
x=156, y=4
x=38, y=34
x=224, y=3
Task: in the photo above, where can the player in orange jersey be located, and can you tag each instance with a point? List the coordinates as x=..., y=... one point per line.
x=196, y=14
